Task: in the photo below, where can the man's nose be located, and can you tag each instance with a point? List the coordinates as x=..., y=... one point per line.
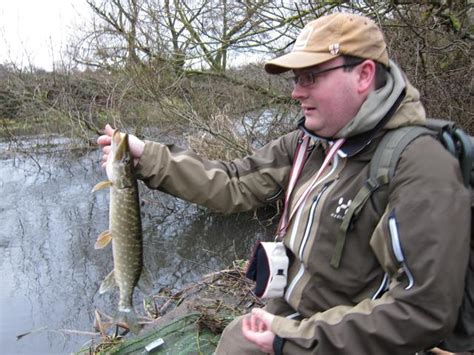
x=299, y=92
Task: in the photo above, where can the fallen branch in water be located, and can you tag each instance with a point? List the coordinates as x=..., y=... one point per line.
x=19, y=336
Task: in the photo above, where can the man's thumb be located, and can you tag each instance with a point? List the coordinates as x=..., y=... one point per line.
x=109, y=130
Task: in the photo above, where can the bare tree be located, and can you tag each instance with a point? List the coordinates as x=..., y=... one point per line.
x=173, y=62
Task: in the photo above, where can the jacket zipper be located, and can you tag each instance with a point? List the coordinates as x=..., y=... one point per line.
x=397, y=249
x=309, y=224
x=382, y=288
x=307, y=231
x=299, y=213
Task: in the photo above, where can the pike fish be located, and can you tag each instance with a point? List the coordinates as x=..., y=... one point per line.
x=125, y=232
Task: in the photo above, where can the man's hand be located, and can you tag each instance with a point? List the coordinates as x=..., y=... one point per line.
x=135, y=144
x=256, y=328
x=438, y=351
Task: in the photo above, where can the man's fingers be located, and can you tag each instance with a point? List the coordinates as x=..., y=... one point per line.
x=136, y=146
x=264, y=316
x=247, y=329
x=248, y=333
x=245, y=324
x=109, y=130
x=254, y=323
x=104, y=140
x=257, y=332
x=438, y=351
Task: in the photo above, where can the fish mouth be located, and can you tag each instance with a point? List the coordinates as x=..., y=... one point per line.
x=119, y=145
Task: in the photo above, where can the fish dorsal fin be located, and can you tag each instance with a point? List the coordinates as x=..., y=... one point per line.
x=102, y=185
x=145, y=283
x=103, y=239
x=108, y=283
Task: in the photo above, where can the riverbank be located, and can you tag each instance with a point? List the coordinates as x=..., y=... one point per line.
x=190, y=320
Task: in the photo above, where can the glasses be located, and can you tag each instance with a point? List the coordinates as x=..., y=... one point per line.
x=308, y=78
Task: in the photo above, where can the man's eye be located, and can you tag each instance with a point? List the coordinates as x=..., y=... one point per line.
x=305, y=79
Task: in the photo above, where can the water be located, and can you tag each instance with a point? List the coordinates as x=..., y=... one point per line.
x=50, y=271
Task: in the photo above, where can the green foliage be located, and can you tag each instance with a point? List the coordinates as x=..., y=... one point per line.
x=455, y=22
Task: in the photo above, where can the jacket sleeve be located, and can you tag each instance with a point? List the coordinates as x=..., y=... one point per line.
x=422, y=243
x=239, y=185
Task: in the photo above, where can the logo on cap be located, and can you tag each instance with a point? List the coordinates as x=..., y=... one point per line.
x=334, y=48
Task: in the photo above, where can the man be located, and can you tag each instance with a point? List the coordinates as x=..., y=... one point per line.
x=400, y=273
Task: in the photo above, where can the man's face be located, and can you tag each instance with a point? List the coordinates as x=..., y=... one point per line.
x=331, y=101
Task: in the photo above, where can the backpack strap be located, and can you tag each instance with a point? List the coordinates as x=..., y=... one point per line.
x=465, y=146
x=381, y=170
x=458, y=143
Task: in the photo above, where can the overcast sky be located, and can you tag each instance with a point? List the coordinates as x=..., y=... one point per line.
x=37, y=30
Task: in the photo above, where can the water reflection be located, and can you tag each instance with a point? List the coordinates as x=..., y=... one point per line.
x=50, y=271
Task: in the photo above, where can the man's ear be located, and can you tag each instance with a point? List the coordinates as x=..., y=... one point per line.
x=366, y=76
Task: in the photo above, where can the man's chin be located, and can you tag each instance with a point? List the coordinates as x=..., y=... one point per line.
x=318, y=131
x=312, y=125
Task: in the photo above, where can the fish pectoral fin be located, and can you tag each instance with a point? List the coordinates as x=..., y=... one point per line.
x=102, y=185
x=103, y=239
x=108, y=283
x=145, y=283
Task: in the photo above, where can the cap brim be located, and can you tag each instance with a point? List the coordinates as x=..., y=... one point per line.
x=296, y=60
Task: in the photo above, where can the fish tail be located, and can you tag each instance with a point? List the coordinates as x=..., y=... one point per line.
x=129, y=319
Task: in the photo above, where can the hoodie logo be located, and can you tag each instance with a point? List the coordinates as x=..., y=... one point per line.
x=341, y=208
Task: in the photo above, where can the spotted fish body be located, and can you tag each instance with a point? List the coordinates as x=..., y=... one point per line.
x=125, y=231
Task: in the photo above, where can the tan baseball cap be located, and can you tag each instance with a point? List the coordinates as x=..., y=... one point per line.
x=329, y=37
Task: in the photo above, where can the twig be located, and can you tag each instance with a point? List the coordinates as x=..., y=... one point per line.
x=78, y=332
x=19, y=336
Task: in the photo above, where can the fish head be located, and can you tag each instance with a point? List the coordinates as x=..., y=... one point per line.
x=120, y=162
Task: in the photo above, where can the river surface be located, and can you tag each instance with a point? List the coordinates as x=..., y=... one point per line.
x=50, y=271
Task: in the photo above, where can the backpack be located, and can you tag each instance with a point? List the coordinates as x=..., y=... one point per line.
x=382, y=168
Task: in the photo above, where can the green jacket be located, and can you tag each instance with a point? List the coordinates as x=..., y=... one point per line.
x=370, y=304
